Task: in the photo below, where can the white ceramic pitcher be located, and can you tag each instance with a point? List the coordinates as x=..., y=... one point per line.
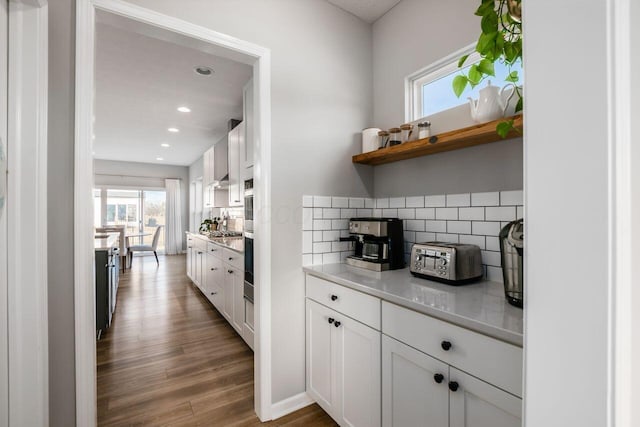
x=491, y=104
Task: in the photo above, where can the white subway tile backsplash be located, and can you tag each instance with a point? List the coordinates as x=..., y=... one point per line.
x=511, y=198
x=485, y=228
x=307, y=201
x=426, y=213
x=502, y=213
x=389, y=213
x=321, y=247
x=331, y=258
x=339, y=224
x=382, y=203
x=344, y=255
x=494, y=273
x=410, y=236
x=322, y=224
x=348, y=213
x=414, y=225
x=344, y=233
x=321, y=202
x=397, y=202
x=445, y=237
x=331, y=236
x=406, y=213
x=435, y=201
x=307, y=242
x=364, y=212
x=369, y=203
x=317, y=236
x=425, y=237
x=491, y=258
x=317, y=259
x=446, y=213
x=459, y=227
x=307, y=219
x=376, y=213
x=356, y=202
x=471, y=214
x=317, y=213
x=485, y=199
x=435, y=226
x=472, y=240
x=339, y=202
x=458, y=200
x=330, y=213
x=415, y=202
x=340, y=246
x=307, y=259
x=493, y=243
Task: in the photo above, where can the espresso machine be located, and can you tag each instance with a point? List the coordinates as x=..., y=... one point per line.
x=379, y=243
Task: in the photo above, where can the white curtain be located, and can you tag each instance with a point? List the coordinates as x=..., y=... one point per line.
x=173, y=244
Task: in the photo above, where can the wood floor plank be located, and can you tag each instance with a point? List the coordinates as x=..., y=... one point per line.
x=170, y=358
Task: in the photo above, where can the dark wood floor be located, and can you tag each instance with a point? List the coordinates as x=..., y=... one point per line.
x=170, y=358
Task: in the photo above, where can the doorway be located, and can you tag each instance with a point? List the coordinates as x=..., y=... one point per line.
x=259, y=59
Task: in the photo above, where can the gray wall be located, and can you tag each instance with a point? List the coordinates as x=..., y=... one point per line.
x=141, y=175
x=413, y=35
x=60, y=209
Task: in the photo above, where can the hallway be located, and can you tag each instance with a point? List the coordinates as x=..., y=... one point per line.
x=171, y=359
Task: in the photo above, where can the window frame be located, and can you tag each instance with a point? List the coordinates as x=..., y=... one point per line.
x=442, y=67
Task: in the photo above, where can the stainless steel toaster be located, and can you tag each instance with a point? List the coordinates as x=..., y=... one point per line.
x=451, y=263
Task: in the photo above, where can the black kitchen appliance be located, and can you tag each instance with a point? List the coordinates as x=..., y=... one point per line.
x=248, y=266
x=248, y=205
x=379, y=243
x=512, y=250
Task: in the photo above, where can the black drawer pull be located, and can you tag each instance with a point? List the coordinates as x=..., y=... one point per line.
x=334, y=297
x=331, y=320
x=453, y=386
x=446, y=345
x=230, y=271
x=337, y=324
x=438, y=378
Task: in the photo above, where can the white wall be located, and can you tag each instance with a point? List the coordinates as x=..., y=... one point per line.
x=321, y=99
x=413, y=35
x=567, y=299
x=143, y=175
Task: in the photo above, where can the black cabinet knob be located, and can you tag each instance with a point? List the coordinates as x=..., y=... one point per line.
x=230, y=258
x=230, y=271
x=213, y=269
x=330, y=320
x=337, y=324
x=453, y=386
x=334, y=297
x=446, y=345
x=438, y=378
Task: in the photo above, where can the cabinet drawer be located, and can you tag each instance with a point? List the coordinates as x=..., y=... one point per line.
x=491, y=360
x=362, y=307
x=199, y=244
x=215, y=250
x=233, y=258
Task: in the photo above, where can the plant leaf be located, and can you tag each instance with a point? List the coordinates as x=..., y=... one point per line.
x=474, y=74
x=462, y=60
x=486, y=43
x=486, y=67
x=519, y=105
x=459, y=84
x=503, y=128
x=484, y=8
x=513, y=77
x=489, y=23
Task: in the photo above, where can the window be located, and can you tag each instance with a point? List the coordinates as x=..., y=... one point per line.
x=430, y=90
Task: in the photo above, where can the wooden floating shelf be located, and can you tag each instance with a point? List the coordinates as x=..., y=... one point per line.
x=455, y=140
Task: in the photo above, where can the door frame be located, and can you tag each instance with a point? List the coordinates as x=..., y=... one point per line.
x=85, y=351
x=26, y=214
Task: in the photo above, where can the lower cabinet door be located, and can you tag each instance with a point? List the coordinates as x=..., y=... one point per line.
x=228, y=293
x=479, y=404
x=238, y=300
x=215, y=292
x=358, y=372
x=321, y=373
x=189, y=258
x=414, y=387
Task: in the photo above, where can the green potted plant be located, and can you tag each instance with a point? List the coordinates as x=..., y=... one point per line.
x=500, y=41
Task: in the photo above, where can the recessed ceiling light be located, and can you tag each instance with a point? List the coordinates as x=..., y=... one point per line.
x=184, y=109
x=203, y=70
x=165, y=145
x=174, y=130
x=159, y=158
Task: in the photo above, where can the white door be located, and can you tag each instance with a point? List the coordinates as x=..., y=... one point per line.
x=358, y=372
x=479, y=404
x=320, y=357
x=238, y=300
x=414, y=387
x=4, y=363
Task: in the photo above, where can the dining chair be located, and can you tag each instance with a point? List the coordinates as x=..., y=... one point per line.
x=147, y=248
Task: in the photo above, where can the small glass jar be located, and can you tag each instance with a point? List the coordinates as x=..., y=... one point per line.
x=395, y=138
x=424, y=130
x=383, y=139
x=407, y=131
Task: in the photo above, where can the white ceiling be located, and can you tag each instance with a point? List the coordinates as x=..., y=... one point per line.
x=141, y=80
x=367, y=10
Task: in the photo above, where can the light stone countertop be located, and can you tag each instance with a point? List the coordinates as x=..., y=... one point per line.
x=234, y=243
x=105, y=243
x=480, y=306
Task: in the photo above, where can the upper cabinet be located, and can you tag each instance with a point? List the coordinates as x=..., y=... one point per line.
x=248, y=106
x=208, y=168
x=235, y=156
x=220, y=166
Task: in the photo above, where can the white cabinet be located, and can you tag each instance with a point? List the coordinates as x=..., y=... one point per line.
x=343, y=366
x=248, y=326
x=249, y=121
x=236, y=140
x=414, y=387
x=208, y=167
x=238, y=299
x=189, y=255
x=215, y=274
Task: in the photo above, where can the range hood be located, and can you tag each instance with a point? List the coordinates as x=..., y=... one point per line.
x=221, y=184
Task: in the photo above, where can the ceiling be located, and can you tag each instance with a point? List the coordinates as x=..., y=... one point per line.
x=142, y=78
x=367, y=10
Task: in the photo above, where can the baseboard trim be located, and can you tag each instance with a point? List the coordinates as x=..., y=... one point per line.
x=289, y=405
